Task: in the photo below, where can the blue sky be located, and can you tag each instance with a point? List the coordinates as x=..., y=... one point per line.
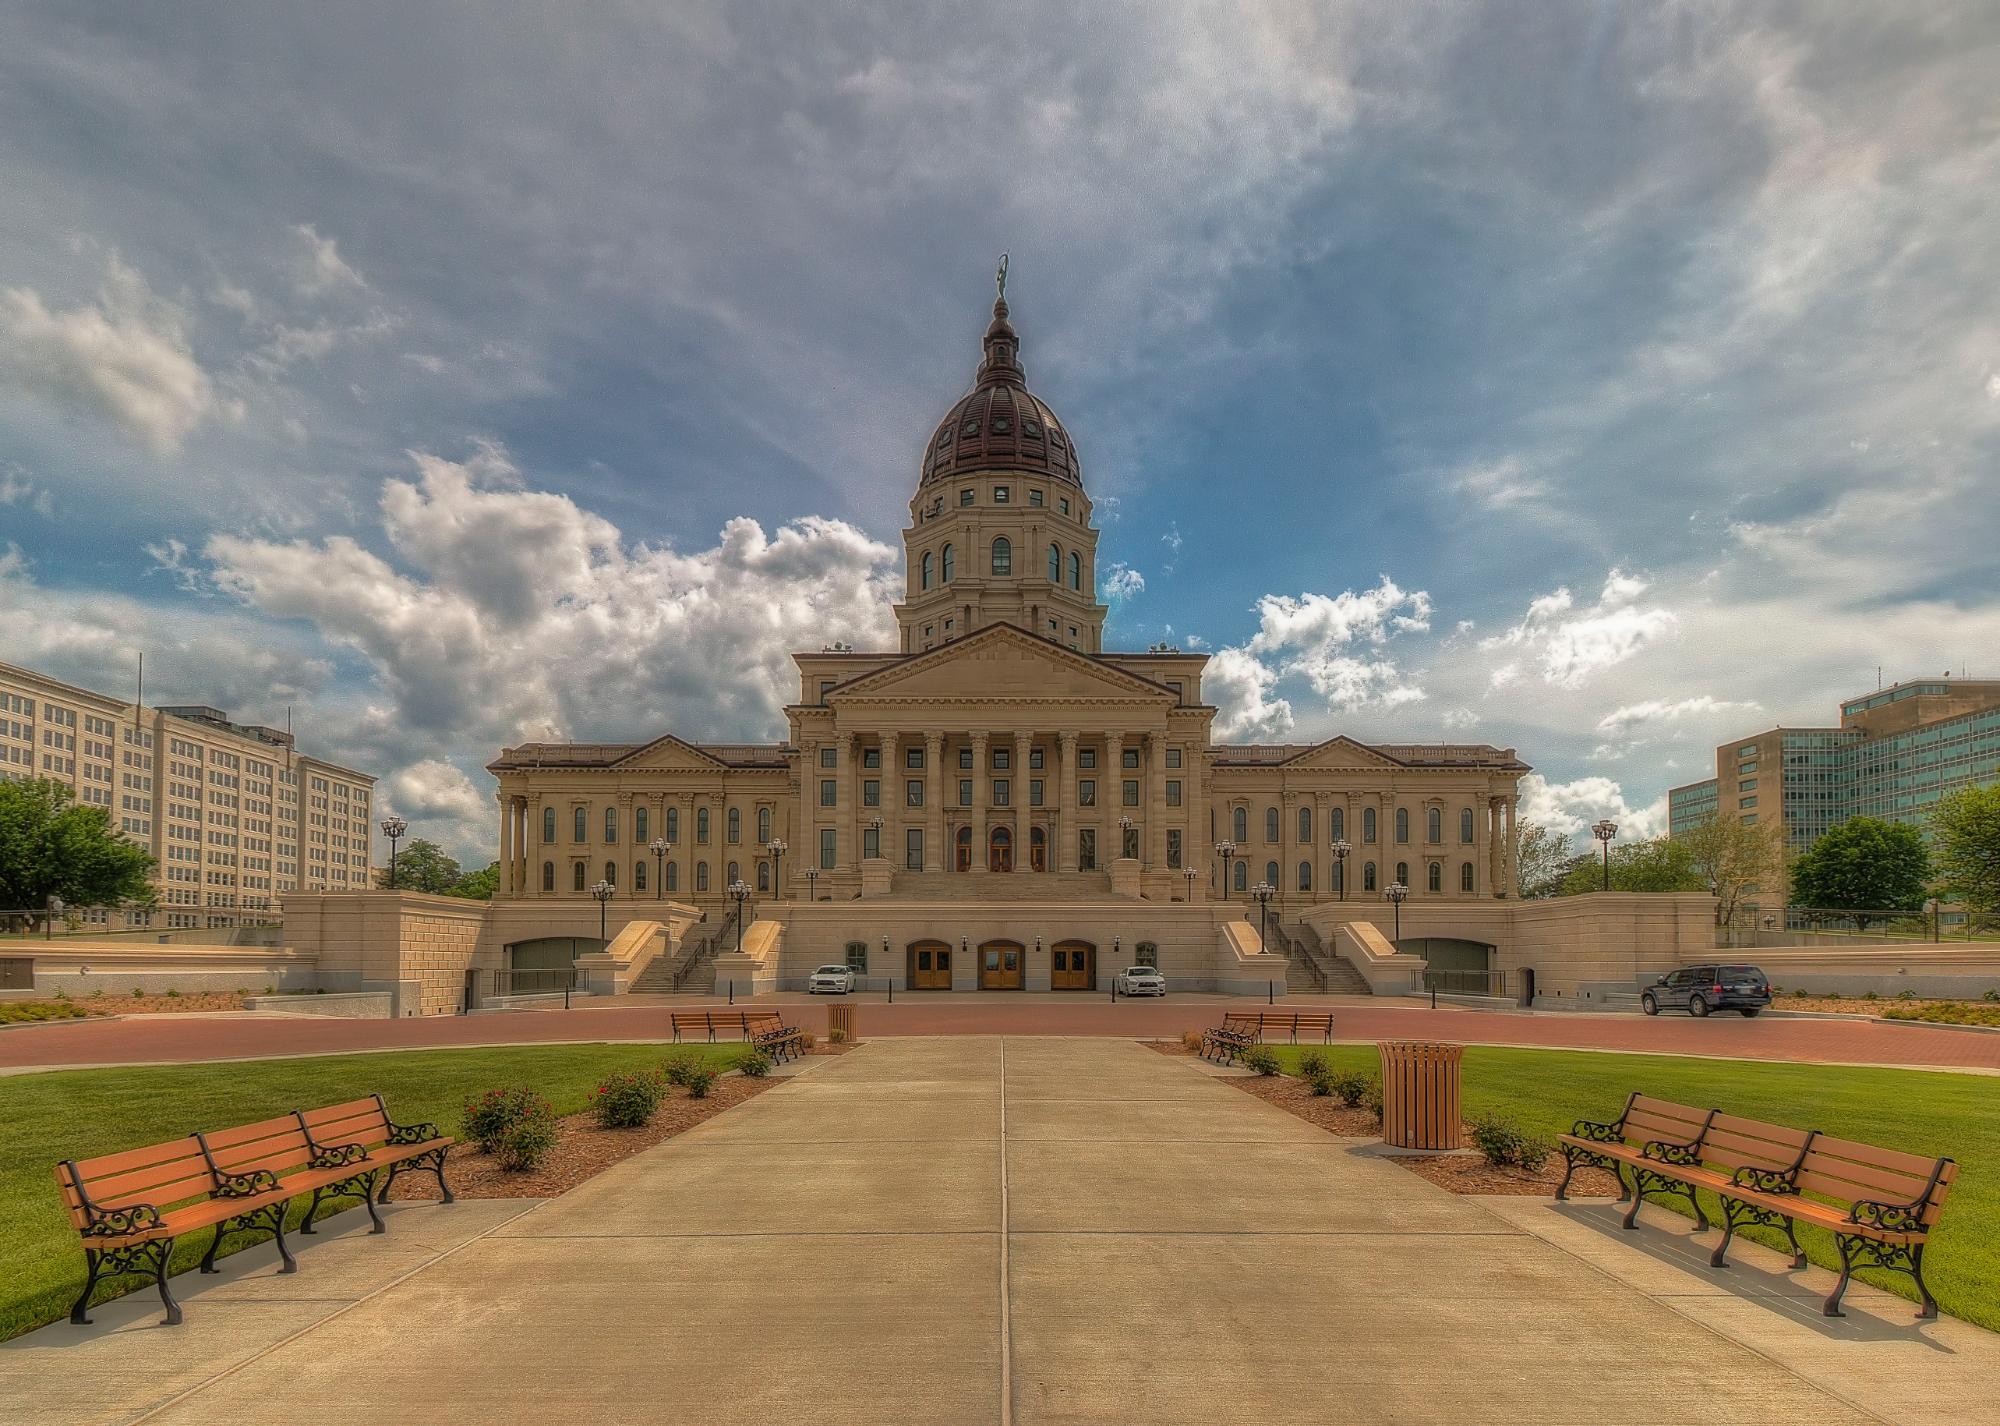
x=1598, y=380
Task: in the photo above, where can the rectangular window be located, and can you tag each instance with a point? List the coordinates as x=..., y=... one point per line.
x=965, y=497
x=1035, y=759
x=1002, y=759
x=1745, y=803
x=871, y=841
x=1086, y=849
x=1063, y=504
x=1002, y=790
x=965, y=792
x=1173, y=792
x=965, y=757
x=1748, y=750
x=1086, y=792
x=913, y=757
x=1173, y=757
x=829, y=756
x=913, y=792
x=827, y=848
x=871, y=792
x=1749, y=784
x=913, y=849
x=1034, y=792
x=1086, y=757
x=1173, y=849
x=1001, y=495
x=871, y=757
x=1131, y=792
x=829, y=792
x=1130, y=757
x=1035, y=497
x=825, y=687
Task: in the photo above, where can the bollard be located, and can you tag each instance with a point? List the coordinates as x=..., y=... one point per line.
x=732, y=992
x=892, y=990
x=1270, y=992
x=1434, y=995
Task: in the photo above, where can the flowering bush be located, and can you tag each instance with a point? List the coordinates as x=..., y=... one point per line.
x=488, y=1117
x=527, y=1141
x=629, y=1101
x=679, y=1067
x=754, y=1063
x=1259, y=1058
x=698, y=1081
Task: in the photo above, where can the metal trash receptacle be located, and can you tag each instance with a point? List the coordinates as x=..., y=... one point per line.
x=1420, y=1094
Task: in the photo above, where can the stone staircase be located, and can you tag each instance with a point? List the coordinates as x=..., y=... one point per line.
x=999, y=886
x=693, y=968
x=1314, y=969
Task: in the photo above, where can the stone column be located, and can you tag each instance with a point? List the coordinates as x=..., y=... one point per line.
x=980, y=799
x=1066, y=809
x=1493, y=844
x=1111, y=800
x=624, y=802
x=1479, y=844
x=934, y=847
x=892, y=801
x=1507, y=808
x=847, y=811
x=507, y=858
x=1288, y=843
x=807, y=852
x=1156, y=802
x=1024, y=814
x=1322, y=840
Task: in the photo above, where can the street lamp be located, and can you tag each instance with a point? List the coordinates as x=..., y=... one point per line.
x=1125, y=826
x=602, y=891
x=660, y=848
x=1225, y=849
x=875, y=826
x=739, y=893
x=776, y=847
x=1936, y=908
x=1340, y=851
x=1262, y=893
x=1396, y=895
x=812, y=883
x=1189, y=873
x=1604, y=831
x=393, y=828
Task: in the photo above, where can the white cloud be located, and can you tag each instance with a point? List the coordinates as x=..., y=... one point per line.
x=1120, y=583
x=1622, y=721
x=1569, y=808
x=1572, y=645
x=17, y=489
x=440, y=802
x=1500, y=483
x=1459, y=719
x=124, y=356
x=324, y=268
x=1334, y=643
x=1240, y=687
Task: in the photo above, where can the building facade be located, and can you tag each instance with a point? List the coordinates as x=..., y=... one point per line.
x=233, y=814
x=1000, y=751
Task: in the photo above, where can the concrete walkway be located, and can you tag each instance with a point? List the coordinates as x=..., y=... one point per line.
x=985, y=1230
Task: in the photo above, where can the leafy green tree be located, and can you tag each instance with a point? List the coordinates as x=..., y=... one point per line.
x=1656, y=864
x=478, y=885
x=1965, y=831
x=1863, y=864
x=1733, y=859
x=1541, y=858
x=51, y=847
x=423, y=866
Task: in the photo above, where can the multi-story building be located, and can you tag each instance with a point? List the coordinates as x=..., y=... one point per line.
x=232, y=813
x=1893, y=755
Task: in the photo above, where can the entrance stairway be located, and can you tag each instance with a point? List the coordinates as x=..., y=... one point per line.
x=693, y=967
x=1313, y=969
x=1000, y=886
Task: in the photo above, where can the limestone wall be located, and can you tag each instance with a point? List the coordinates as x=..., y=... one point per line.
x=1966, y=969
x=1607, y=939
x=119, y=968
x=415, y=945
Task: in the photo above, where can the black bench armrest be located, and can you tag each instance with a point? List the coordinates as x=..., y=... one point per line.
x=1760, y=1180
x=400, y=1134
x=1663, y=1151
x=336, y=1156
x=244, y=1185
x=1889, y=1217
x=118, y=1222
x=1599, y=1133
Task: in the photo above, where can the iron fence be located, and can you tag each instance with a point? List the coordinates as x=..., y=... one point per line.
x=1466, y=982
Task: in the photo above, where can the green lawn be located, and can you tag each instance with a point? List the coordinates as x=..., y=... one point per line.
x=77, y=1114
x=1914, y=1110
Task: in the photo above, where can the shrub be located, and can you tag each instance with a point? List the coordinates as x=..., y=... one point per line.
x=679, y=1067
x=1993, y=996
x=62, y=995
x=1503, y=1143
x=1871, y=995
x=1260, y=1058
x=1353, y=1086
x=629, y=1101
x=699, y=1081
x=137, y=993
x=1321, y=1084
x=1191, y=1041
x=836, y=1036
x=1312, y=1065
x=1799, y=994
x=526, y=1142
x=173, y=992
x=1906, y=995
x=754, y=1063
x=807, y=1039
x=1371, y=1100
x=488, y=1118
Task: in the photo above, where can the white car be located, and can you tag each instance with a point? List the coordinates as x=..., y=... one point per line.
x=833, y=980
x=1141, y=980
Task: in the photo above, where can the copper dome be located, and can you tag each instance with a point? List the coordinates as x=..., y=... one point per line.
x=1000, y=424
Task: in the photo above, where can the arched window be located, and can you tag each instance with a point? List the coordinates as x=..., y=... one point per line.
x=673, y=824
x=641, y=825
x=1403, y=872
x=673, y=877
x=1340, y=875
x=1368, y=876
x=929, y=569
x=1003, y=556
x=582, y=827
x=1306, y=825
x=1337, y=820
x=701, y=825
x=1402, y=824
x=1368, y=824
x=735, y=875
x=763, y=876
x=950, y=564
x=611, y=873
x=962, y=849
x=1271, y=826
x=610, y=825
x=701, y=876
x=1271, y=877
x=735, y=827
x=548, y=876
x=1239, y=825
x=1465, y=876
x=1305, y=876
x=576, y=877
x=763, y=826
x=1055, y=564
x=1465, y=825
x=638, y=876
x=1075, y=570
x=1242, y=876
x=549, y=826
x=1435, y=878
x=1434, y=825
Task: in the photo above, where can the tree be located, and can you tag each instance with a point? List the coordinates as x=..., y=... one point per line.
x=423, y=866
x=1863, y=864
x=1732, y=858
x=1658, y=864
x=478, y=885
x=48, y=847
x=1541, y=857
x=1965, y=830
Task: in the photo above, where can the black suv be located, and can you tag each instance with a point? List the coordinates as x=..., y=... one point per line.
x=1700, y=989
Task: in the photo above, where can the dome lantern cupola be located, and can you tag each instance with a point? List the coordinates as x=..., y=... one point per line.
x=1000, y=424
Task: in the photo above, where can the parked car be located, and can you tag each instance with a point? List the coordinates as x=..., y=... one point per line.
x=833, y=980
x=1700, y=989
x=1141, y=980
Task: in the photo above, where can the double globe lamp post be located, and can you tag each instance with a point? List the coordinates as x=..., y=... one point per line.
x=661, y=849
x=393, y=828
x=602, y=891
x=1262, y=893
x=1225, y=849
x=1340, y=850
x=1396, y=895
x=1604, y=831
x=776, y=847
x=739, y=893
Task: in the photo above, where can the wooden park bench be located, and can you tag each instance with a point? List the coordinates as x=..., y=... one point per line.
x=1293, y=1023
x=1879, y=1204
x=130, y=1208
x=1239, y=1030
x=763, y=1029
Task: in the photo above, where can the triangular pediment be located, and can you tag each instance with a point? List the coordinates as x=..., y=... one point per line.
x=1342, y=752
x=667, y=754
x=1001, y=662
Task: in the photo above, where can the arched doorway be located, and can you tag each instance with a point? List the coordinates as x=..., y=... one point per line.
x=930, y=965
x=1000, y=850
x=1038, y=849
x=1000, y=965
x=962, y=849
x=1073, y=966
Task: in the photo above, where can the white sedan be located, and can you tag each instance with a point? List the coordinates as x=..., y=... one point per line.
x=1141, y=980
x=833, y=980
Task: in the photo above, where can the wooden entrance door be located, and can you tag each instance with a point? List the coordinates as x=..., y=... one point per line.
x=1073, y=966
x=1000, y=850
x=1000, y=965
x=1038, y=849
x=962, y=849
x=930, y=966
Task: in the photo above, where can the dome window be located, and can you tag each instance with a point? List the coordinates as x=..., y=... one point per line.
x=1032, y=428
x=1001, y=426
x=1055, y=436
x=970, y=428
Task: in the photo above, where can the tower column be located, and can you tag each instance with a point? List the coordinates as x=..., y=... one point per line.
x=980, y=800
x=1507, y=807
x=1156, y=801
x=507, y=862
x=847, y=812
x=1023, y=812
x=1066, y=809
x=934, y=848
x=1111, y=799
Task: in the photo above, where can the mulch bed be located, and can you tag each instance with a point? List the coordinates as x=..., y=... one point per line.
x=582, y=1151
